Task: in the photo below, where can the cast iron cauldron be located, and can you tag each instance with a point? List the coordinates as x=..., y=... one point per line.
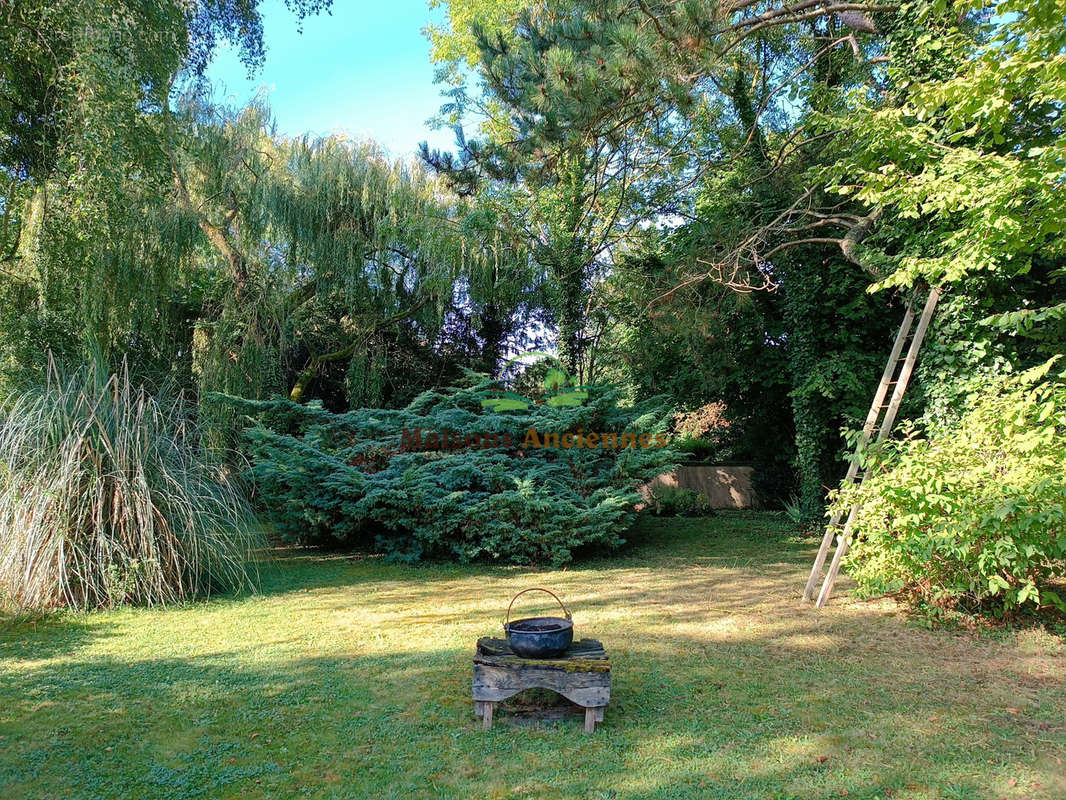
x=539, y=637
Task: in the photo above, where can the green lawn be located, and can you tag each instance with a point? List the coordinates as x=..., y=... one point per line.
x=350, y=678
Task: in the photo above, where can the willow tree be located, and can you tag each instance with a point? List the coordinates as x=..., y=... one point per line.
x=89, y=247
x=321, y=246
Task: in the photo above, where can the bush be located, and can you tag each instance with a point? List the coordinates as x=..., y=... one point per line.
x=481, y=492
x=669, y=501
x=103, y=499
x=972, y=521
x=706, y=422
x=698, y=449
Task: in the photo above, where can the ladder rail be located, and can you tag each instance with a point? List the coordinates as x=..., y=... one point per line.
x=908, y=365
x=883, y=432
x=867, y=431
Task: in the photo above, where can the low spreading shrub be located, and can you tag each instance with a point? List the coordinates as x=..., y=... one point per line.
x=974, y=520
x=103, y=499
x=465, y=482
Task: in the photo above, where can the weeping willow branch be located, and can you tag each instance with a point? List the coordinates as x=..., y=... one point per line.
x=215, y=234
x=309, y=372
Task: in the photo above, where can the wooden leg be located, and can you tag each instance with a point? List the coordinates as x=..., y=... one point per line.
x=486, y=715
x=590, y=719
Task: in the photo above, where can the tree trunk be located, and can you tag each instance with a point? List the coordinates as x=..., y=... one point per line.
x=217, y=235
x=299, y=389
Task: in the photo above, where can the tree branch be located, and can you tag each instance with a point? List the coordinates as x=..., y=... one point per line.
x=309, y=372
x=218, y=236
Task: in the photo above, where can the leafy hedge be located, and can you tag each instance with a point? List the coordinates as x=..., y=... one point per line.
x=483, y=493
x=973, y=520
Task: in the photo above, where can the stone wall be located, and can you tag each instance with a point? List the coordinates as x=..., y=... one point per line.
x=723, y=486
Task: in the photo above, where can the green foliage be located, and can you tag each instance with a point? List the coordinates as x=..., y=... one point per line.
x=973, y=519
x=669, y=501
x=66, y=64
x=922, y=145
x=988, y=327
x=91, y=248
x=235, y=260
x=348, y=477
x=324, y=253
x=454, y=44
x=704, y=346
x=640, y=169
x=698, y=449
x=104, y=500
x=795, y=513
x=838, y=339
x=554, y=386
x=579, y=199
x=204, y=248
x=966, y=156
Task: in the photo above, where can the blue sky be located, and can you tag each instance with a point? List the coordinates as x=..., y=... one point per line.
x=363, y=70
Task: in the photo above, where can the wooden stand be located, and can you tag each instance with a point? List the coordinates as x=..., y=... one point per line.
x=582, y=675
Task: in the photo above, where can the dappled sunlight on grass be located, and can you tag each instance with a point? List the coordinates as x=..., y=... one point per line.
x=350, y=677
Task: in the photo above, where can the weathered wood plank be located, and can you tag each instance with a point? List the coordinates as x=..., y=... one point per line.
x=594, y=696
x=495, y=682
x=582, y=675
x=504, y=676
x=568, y=665
x=491, y=647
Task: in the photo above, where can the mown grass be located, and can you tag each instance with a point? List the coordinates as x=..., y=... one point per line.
x=350, y=678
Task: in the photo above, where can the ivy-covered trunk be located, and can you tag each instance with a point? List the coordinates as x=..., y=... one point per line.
x=801, y=297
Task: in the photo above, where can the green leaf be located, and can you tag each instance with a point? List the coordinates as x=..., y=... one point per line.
x=574, y=398
x=555, y=379
x=505, y=404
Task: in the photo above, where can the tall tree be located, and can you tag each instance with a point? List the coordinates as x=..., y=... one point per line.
x=326, y=246
x=865, y=139
x=578, y=198
x=89, y=244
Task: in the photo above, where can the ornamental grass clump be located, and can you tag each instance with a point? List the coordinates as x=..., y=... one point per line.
x=104, y=499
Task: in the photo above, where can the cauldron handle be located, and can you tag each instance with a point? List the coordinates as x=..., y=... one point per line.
x=534, y=589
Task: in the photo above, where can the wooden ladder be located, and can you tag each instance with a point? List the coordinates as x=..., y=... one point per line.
x=881, y=418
